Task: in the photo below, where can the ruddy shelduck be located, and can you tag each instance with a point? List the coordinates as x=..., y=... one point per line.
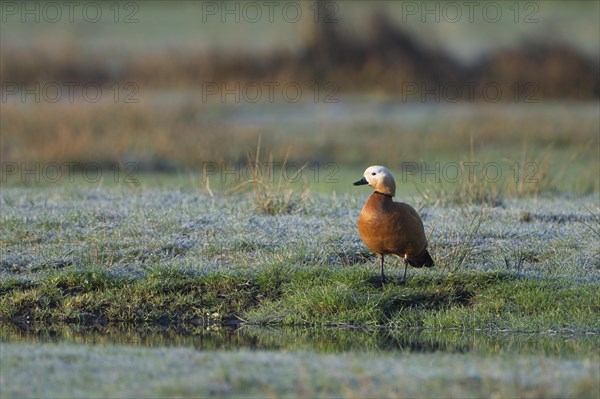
x=388, y=227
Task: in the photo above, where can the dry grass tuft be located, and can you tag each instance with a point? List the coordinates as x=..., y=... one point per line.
x=454, y=255
x=273, y=195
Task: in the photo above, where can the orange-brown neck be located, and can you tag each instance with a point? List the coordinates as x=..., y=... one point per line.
x=378, y=201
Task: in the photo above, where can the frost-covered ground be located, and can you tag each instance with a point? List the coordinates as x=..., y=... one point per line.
x=132, y=233
x=129, y=231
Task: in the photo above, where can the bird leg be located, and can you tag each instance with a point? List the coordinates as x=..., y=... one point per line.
x=382, y=275
x=405, y=267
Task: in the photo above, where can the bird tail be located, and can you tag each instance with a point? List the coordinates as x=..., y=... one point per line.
x=423, y=260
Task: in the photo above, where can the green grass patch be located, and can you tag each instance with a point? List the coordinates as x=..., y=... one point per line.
x=285, y=295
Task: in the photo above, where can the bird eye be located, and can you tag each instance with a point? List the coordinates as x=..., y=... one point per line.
x=373, y=174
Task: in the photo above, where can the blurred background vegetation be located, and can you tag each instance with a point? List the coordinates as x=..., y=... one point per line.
x=171, y=87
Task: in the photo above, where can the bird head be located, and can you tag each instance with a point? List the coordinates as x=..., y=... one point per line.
x=380, y=179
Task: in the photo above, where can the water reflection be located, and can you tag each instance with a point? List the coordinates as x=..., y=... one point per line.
x=321, y=339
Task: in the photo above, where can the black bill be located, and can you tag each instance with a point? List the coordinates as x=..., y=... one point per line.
x=361, y=182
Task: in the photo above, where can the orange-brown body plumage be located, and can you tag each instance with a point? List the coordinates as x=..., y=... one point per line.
x=392, y=228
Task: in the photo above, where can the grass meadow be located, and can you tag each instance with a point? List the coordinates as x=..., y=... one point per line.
x=268, y=256
x=180, y=372
x=539, y=147
x=161, y=239
x=146, y=216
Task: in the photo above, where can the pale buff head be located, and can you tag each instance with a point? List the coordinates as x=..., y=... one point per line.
x=380, y=178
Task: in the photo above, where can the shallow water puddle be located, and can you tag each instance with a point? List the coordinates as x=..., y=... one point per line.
x=319, y=339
